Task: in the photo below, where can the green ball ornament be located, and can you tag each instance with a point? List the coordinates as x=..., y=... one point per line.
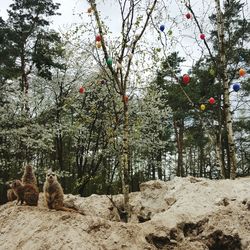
x=212, y=72
x=170, y=32
x=109, y=61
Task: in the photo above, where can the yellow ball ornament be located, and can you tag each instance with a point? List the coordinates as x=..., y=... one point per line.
x=98, y=45
x=203, y=107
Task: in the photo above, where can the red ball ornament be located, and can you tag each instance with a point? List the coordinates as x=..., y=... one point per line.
x=98, y=38
x=125, y=98
x=81, y=90
x=202, y=36
x=211, y=100
x=188, y=15
x=186, y=79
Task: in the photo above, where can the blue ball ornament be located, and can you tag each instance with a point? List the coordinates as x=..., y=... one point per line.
x=162, y=27
x=236, y=87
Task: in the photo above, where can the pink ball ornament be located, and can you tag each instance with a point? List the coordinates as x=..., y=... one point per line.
x=202, y=36
x=211, y=100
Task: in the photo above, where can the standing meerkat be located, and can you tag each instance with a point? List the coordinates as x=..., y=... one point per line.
x=29, y=176
x=25, y=193
x=53, y=193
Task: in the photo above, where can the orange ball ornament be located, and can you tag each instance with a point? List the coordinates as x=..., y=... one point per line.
x=242, y=72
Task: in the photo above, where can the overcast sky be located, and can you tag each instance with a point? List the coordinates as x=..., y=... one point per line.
x=67, y=8
x=192, y=46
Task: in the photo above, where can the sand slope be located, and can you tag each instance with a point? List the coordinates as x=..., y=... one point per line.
x=185, y=213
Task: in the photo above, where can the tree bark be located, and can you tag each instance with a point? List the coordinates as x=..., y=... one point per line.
x=125, y=166
x=24, y=79
x=226, y=101
x=179, y=140
x=218, y=151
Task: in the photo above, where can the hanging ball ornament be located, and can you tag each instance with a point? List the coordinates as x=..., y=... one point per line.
x=188, y=15
x=202, y=36
x=98, y=45
x=109, y=61
x=125, y=98
x=81, y=90
x=211, y=100
x=89, y=10
x=212, y=72
x=236, y=87
x=170, y=32
x=203, y=107
x=242, y=72
x=98, y=38
x=162, y=27
x=186, y=79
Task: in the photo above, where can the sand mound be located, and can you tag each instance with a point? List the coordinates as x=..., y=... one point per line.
x=185, y=213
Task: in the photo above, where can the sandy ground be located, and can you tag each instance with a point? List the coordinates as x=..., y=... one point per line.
x=185, y=213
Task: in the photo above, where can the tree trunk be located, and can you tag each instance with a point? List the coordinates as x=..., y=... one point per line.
x=179, y=140
x=218, y=145
x=218, y=151
x=226, y=104
x=125, y=167
x=201, y=162
x=159, y=164
x=24, y=80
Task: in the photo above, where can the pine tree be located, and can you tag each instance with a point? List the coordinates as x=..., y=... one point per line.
x=28, y=43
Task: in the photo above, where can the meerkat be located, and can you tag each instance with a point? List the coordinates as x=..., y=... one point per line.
x=29, y=176
x=25, y=193
x=53, y=193
x=11, y=194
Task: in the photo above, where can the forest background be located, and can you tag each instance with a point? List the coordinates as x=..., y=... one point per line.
x=103, y=101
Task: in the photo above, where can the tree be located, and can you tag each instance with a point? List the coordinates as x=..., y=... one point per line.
x=132, y=19
x=28, y=42
x=231, y=31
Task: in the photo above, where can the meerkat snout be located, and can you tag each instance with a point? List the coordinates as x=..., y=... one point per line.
x=51, y=176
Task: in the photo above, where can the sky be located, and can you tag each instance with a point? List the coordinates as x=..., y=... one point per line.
x=70, y=10
x=67, y=8
x=184, y=31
